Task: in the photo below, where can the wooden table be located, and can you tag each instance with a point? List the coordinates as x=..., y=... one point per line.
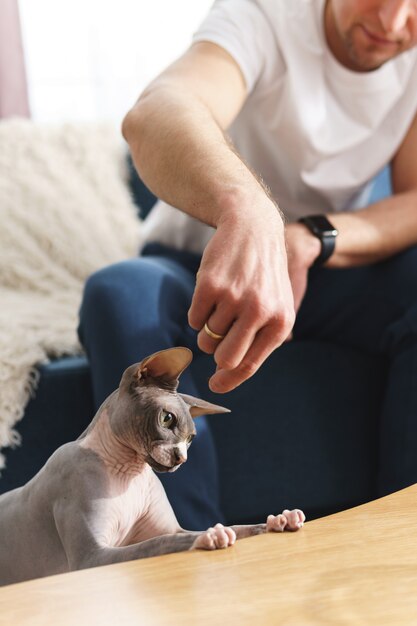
x=355, y=567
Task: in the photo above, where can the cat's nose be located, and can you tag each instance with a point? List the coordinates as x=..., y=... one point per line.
x=180, y=453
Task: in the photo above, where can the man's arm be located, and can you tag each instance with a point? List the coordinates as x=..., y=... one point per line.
x=176, y=135
x=366, y=236
x=385, y=227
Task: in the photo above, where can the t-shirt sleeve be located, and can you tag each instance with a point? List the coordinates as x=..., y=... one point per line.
x=242, y=29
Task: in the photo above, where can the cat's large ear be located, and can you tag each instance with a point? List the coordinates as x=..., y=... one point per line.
x=201, y=407
x=166, y=365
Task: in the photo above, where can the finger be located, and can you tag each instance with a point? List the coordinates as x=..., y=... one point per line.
x=232, y=349
x=202, y=303
x=219, y=322
x=264, y=344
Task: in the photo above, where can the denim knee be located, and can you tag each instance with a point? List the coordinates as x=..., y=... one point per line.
x=103, y=291
x=139, y=296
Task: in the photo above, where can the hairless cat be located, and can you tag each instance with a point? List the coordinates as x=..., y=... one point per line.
x=97, y=501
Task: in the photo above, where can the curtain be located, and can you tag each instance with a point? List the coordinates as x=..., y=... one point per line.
x=13, y=87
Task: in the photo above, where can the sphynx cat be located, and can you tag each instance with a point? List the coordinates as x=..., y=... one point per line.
x=98, y=501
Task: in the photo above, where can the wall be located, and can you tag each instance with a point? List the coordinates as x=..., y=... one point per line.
x=89, y=59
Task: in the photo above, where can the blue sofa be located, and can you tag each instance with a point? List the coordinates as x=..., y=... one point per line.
x=290, y=441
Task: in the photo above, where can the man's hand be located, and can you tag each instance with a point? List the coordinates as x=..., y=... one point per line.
x=302, y=249
x=244, y=293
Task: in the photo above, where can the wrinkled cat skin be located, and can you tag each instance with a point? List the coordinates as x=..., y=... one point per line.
x=97, y=501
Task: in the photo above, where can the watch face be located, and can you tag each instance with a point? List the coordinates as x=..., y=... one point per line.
x=322, y=226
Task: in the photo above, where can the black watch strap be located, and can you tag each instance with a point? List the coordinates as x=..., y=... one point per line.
x=320, y=226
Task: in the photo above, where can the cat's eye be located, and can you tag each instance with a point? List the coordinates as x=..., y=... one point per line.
x=167, y=419
x=189, y=439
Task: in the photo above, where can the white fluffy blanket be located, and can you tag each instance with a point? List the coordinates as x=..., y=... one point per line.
x=65, y=211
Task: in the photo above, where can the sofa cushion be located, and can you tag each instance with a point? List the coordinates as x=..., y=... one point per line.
x=60, y=411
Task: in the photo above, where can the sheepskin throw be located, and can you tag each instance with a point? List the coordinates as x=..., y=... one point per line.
x=65, y=211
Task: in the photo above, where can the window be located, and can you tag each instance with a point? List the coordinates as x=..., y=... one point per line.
x=89, y=60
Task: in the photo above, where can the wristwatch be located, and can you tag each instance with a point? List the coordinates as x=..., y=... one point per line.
x=321, y=228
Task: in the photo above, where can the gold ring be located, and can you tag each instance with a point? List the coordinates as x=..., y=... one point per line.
x=213, y=335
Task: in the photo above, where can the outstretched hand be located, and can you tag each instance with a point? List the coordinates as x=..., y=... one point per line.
x=243, y=292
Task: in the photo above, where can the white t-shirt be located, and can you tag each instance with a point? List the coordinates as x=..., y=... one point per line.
x=316, y=132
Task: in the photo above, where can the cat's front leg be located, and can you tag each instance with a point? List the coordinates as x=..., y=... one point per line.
x=215, y=538
x=287, y=520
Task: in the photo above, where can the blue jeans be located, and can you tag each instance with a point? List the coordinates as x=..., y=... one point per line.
x=139, y=306
x=374, y=309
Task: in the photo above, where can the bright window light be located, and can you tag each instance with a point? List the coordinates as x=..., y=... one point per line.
x=89, y=59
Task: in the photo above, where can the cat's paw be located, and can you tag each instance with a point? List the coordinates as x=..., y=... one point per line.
x=214, y=538
x=287, y=520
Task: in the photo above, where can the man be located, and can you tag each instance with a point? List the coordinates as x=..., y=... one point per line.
x=316, y=98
